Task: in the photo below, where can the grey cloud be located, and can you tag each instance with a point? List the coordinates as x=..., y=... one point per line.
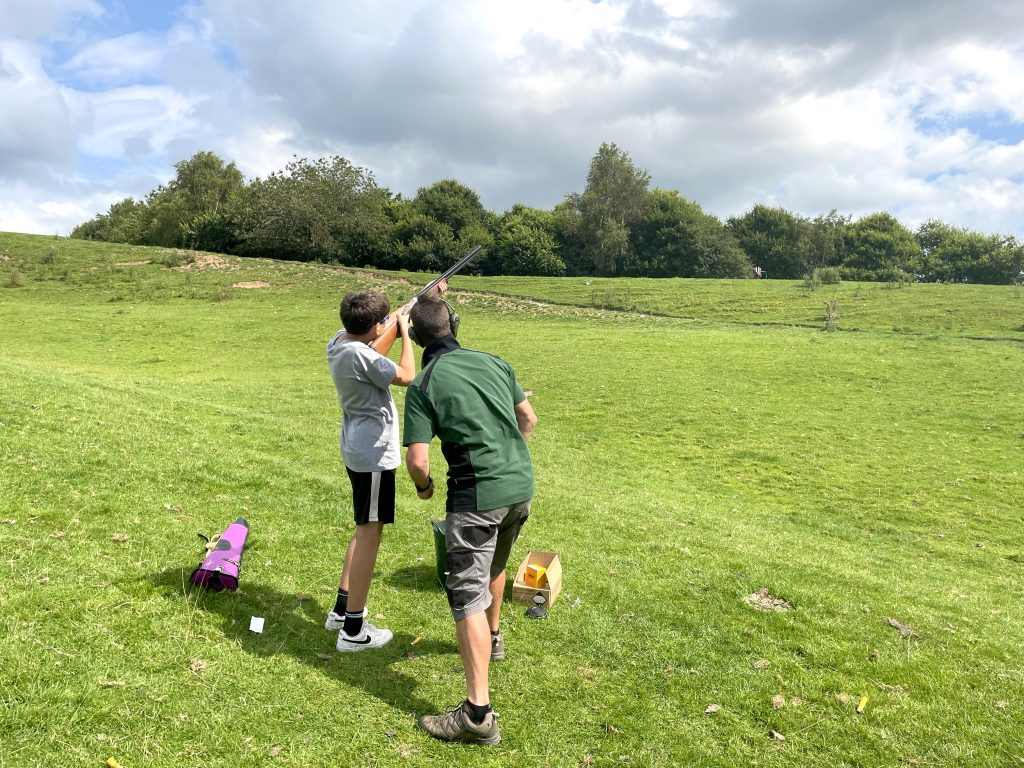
x=37, y=18
x=37, y=129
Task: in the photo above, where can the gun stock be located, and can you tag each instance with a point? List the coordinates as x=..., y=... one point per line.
x=386, y=340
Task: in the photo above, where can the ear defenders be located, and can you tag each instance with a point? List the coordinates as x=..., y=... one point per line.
x=453, y=325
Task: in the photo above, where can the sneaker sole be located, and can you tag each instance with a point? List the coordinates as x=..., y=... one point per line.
x=490, y=741
x=351, y=648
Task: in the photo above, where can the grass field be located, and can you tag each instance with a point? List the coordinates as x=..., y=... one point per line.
x=983, y=312
x=681, y=465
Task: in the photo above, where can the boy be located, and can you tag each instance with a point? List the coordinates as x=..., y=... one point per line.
x=369, y=448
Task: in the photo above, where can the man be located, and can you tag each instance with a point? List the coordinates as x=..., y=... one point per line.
x=470, y=400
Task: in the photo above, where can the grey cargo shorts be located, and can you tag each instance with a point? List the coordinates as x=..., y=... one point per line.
x=478, y=545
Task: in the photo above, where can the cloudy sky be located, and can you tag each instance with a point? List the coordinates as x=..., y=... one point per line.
x=914, y=107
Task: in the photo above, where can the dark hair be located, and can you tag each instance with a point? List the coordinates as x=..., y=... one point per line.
x=432, y=320
x=361, y=310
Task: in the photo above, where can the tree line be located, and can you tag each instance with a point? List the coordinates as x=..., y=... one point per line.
x=331, y=211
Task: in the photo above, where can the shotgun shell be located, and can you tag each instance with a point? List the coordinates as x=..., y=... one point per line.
x=112, y=763
x=862, y=704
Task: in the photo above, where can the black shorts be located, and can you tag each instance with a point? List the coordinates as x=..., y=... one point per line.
x=373, y=496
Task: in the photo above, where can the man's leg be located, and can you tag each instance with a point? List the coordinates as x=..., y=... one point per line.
x=508, y=532
x=497, y=587
x=469, y=544
x=475, y=650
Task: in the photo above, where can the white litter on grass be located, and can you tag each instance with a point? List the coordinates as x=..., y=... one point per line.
x=256, y=624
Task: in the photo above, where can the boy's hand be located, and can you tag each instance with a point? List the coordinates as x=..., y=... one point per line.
x=440, y=288
x=403, y=321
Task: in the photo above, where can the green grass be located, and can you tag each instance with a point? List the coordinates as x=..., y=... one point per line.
x=681, y=464
x=972, y=311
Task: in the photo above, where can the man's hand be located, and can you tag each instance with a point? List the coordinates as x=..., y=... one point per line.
x=428, y=492
x=403, y=321
x=417, y=462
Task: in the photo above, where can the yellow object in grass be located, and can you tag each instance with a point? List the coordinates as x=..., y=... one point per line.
x=535, y=576
x=112, y=763
x=862, y=704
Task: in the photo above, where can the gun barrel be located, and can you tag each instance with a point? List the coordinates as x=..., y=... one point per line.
x=452, y=270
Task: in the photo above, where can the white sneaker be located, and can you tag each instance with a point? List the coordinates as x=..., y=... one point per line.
x=370, y=637
x=336, y=621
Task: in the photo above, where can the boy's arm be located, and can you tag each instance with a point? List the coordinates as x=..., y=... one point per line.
x=407, y=364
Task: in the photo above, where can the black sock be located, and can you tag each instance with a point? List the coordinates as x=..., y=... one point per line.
x=353, y=623
x=495, y=632
x=339, y=604
x=477, y=712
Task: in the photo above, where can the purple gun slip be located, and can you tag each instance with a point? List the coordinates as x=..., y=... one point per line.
x=220, y=568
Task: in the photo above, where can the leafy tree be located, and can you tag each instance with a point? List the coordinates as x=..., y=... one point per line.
x=202, y=184
x=451, y=203
x=611, y=203
x=124, y=222
x=525, y=244
x=676, y=238
x=775, y=240
x=953, y=253
x=424, y=243
x=567, y=225
x=826, y=239
x=879, y=247
x=325, y=210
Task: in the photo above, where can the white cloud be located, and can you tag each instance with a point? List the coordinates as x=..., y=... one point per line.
x=809, y=105
x=117, y=60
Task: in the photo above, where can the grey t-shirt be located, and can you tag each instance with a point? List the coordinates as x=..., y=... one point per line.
x=369, y=424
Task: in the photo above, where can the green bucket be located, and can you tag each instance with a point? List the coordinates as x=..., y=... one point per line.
x=440, y=527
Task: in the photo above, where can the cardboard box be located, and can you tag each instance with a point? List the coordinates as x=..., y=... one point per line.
x=524, y=593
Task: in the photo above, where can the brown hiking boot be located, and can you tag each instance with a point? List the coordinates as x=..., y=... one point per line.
x=497, y=647
x=456, y=725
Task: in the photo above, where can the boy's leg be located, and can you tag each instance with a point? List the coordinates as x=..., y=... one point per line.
x=373, y=500
x=346, y=566
x=360, y=561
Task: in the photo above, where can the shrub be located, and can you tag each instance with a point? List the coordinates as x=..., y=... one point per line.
x=828, y=275
x=14, y=279
x=831, y=315
x=812, y=281
x=50, y=256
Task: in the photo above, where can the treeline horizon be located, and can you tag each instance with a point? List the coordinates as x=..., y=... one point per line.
x=330, y=211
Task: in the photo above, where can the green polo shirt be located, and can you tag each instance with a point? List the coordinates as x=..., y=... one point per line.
x=467, y=399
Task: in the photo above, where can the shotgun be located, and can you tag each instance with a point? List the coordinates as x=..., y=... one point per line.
x=386, y=340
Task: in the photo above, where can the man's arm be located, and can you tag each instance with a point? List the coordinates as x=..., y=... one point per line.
x=417, y=462
x=525, y=418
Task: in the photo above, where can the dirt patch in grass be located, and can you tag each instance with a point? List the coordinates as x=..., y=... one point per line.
x=905, y=630
x=138, y=263
x=206, y=261
x=764, y=600
x=4, y=257
x=252, y=284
